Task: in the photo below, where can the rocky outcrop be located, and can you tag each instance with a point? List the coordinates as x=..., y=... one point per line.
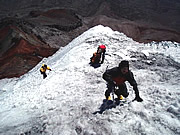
x=22, y=57
x=20, y=51
x=24, y=42
x=138, y=31
x=62, y=19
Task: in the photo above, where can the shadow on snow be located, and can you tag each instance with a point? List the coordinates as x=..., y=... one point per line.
x=108, y=104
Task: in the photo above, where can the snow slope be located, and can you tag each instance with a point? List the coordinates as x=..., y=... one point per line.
x=67, y=102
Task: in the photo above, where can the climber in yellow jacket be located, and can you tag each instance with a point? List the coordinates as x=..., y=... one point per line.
x=43, y=70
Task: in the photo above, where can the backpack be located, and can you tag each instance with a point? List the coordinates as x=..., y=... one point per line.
x=95, y=59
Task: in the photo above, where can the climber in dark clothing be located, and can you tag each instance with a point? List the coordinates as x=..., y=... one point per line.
x=98, y=57
x=101, y=50
x=117, y=77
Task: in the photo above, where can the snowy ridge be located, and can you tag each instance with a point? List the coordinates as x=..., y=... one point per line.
x=64, y=103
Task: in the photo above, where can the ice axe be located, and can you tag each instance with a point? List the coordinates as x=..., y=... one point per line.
x=113, y=90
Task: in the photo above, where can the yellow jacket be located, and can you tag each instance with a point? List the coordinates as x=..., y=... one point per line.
x=44, y=68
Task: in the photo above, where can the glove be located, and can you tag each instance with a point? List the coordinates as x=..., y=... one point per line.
x=137, y=98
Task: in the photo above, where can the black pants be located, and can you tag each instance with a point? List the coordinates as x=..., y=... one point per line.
x=121, y=90
x=44, y=74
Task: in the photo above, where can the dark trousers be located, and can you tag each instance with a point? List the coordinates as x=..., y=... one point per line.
x=44, y=74
x=120, y=90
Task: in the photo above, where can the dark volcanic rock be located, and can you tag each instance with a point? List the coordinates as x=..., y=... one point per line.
x=62, y=19
x=147, y=18
x=22, y=57
x=140, y=32
x=19, y=51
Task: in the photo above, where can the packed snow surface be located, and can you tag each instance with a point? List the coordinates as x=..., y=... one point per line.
x=69, y=100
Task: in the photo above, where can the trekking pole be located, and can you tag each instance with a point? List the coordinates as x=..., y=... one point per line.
x=53, y=71
x=113, y=94
x=107, y=67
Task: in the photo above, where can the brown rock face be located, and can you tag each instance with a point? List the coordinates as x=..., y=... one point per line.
x=24, y=42
x=138, y=31
x=20, y=52
x=62, y=19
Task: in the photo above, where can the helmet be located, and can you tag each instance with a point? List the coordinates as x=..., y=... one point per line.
x=102, y=47
x=124, y=63
x=44, y=65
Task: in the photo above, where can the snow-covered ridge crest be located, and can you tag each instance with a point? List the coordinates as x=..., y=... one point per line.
x=65, y=101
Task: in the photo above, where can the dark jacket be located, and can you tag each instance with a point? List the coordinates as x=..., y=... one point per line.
x=101, y=50
x=115, y=75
